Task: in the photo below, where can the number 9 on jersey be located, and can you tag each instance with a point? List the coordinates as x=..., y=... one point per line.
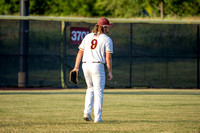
x=93, y=44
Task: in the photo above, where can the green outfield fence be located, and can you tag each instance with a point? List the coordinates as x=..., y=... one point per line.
x=147, y=53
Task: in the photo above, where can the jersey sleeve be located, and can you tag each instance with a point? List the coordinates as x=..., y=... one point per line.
x=109, y=46
x=82, y=45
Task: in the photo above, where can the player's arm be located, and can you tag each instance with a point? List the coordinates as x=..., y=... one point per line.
x=78, y=59
x=109, y=65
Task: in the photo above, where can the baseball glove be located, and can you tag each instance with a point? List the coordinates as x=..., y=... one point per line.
x=73, y=77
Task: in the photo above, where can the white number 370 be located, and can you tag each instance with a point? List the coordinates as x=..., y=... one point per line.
x=77, y=35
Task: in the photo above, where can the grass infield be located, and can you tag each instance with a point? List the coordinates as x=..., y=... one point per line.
x=135, y=110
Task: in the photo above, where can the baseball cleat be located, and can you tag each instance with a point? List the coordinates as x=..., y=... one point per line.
x=98, y=121
x=87, y=117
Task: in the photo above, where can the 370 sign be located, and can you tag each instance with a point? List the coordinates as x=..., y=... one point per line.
x=77, y=34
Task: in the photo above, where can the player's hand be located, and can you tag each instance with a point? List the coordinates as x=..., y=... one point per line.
x=110, y=76
x=75, y=69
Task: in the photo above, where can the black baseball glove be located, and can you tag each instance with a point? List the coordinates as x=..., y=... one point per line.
x=73, y=77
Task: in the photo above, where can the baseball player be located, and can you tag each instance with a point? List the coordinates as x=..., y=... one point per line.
x=95, y=50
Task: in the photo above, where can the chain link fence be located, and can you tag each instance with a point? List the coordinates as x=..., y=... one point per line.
x=150, y=55
x=43, y=53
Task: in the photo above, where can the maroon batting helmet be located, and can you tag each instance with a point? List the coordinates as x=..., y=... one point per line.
x=103, y=21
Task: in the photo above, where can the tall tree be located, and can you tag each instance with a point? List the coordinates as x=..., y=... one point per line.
x=157, y=5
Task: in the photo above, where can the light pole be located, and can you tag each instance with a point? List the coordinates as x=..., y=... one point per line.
x=24, y=47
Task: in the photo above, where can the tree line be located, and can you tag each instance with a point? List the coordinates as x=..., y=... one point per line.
x=107, y=8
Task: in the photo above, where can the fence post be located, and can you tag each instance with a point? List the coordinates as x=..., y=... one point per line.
x=198, y=54
x=130, y=71
x=63, y=54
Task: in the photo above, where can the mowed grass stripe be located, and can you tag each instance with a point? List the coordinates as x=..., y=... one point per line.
x=124, y=110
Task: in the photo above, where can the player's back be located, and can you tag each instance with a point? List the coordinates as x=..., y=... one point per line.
x=95, y=47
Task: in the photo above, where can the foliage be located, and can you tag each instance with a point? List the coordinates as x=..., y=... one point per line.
x=39, y=7
x=175, y=7
x=124, y=8
x=95, y=8
x=9, y=7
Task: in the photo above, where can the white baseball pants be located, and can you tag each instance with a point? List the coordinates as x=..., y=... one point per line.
x=95, y=79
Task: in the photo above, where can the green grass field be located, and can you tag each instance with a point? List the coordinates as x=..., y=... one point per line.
x=135, y=110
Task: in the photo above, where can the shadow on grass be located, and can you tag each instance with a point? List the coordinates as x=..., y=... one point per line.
x=39, y=93
x=147, y=121
x=109, y=93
